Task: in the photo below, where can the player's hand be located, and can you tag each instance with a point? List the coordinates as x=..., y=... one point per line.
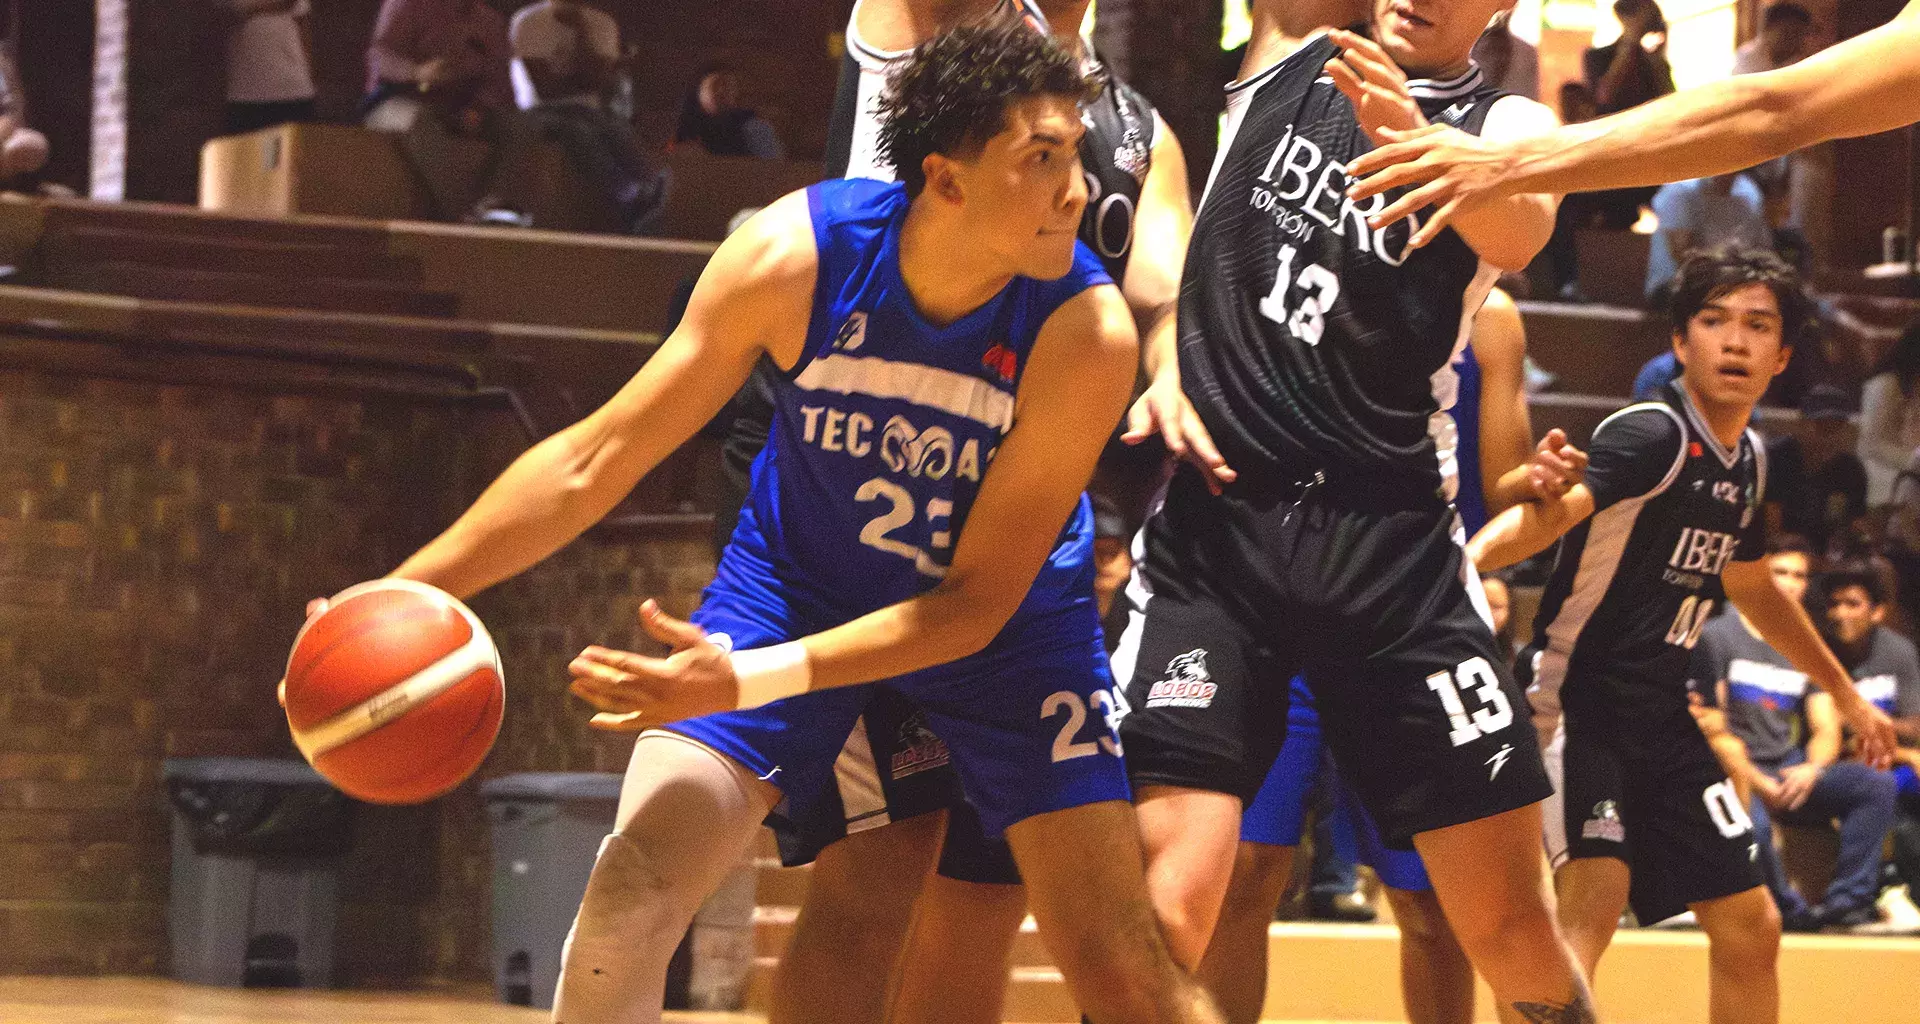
x=1375, y=86
x=635, y=692
x=1454, y=173
x=1165, y=410
x=1873, y=736
x=1555, y=466
x=1796, y=784
x=314, y=608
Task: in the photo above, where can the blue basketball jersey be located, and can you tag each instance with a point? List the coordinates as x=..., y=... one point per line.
x=1471, y=498
x=882, y=433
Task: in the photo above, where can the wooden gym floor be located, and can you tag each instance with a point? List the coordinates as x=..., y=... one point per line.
x=155, y=1001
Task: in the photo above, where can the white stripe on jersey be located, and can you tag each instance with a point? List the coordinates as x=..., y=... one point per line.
x=1553, y=755
x=1767, y=678
x=1446, y=383
x=930, y=386
x=1607, y=537
x=1879, y=689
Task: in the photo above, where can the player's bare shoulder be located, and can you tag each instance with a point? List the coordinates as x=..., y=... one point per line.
x=760, y=281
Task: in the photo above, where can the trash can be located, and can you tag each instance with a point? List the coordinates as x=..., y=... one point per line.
x=256, y=847
x=546, y=828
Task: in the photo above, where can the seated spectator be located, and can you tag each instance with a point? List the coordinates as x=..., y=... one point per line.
x=712, y=117
x=1816, y=486
x=1112, y=567
x=1705, y=213
x=437, y=69
x=1762, y=700
x=1510, y=63
x=22, y=150
x=269, y=80
x=1786, y=37
x=571, y=54
x=1890, y=417
x=1799, y=186
x=1624, y=74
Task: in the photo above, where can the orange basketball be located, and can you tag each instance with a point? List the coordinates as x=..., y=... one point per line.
x=394, y=693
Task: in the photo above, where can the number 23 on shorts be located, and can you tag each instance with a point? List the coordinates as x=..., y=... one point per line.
x=1112, y=707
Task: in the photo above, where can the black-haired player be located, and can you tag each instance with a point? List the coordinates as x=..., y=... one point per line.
x=1667, y=525
x=1312, y=347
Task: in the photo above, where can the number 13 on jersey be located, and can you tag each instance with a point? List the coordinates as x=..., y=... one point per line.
x=1317, y=288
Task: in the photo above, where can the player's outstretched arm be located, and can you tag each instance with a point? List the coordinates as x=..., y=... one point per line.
x=1526, y=529
x=1076, y=382
x=1513, y=468
x=1867, y=84
x=1784, y=625
x=1506, y=232
x=753, y=293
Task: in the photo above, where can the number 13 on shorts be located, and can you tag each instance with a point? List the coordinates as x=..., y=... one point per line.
x=1475, y=678
x=1110, y=704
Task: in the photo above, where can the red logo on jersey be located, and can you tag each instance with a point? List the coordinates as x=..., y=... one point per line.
x=1695, y=450
x=1002, y=361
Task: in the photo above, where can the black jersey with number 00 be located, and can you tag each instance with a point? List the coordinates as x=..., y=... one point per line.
x=1634, y=585
x=1309, y=341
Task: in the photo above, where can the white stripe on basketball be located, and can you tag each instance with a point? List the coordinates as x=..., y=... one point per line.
x=945, y=390
x=423, y=686
x=862, y=797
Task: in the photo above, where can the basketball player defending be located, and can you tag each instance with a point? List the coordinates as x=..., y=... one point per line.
x=1498, y=468
x=950, y=363
x=1308, y=346
x=1867, y=84
x=1666, y=525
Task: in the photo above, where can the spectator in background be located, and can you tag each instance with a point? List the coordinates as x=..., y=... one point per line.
x=22, y=150
x=570, y=53
x=1759, y=698
x=269, y=80
x=1724, y=211
x=1112, y=566
x=1786, y=37
x=1816, y=487
x=1500, y=609
x=1800, y=184
x=1623, y=74
x=1655, y=373
x=1510, y=63
x=436, y=70
x=712, y=117
x=1890, y=417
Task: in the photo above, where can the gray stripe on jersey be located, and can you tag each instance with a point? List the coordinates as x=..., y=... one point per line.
x=1607, y=537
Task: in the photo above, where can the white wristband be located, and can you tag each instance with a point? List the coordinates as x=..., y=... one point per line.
x=767, y=674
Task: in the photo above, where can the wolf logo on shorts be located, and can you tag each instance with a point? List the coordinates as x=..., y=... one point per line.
x=1186, y=684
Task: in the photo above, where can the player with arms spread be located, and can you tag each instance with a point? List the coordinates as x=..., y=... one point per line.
x=1867, y=84
x=1665, y=526
x=1309, y=347
x=950, y=360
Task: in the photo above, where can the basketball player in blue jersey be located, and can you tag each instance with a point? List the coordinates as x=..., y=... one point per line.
x=870, y=884
x=1665, y=527
x=1498, y=467
x=950, y=363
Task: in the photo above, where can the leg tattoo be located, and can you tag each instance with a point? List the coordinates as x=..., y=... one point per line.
x=1580, y=1011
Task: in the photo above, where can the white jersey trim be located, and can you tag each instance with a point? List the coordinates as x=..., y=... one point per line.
x=930, y=386
x=1445, y=383
x=1727, y=457
x=1607, y=536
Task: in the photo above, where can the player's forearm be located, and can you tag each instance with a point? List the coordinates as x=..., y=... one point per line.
x=943, y=625
x=1519, y=533
x=1160, y=346
x=1784, y=625
x=1510, y=232
x=545, y=499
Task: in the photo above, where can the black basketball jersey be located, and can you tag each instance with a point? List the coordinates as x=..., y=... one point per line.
x=1635, y=584
x=1115, y=153
x=1310, y=342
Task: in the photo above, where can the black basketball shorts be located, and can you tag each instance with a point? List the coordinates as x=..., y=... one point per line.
x=1378, y=609
x=1654, y=796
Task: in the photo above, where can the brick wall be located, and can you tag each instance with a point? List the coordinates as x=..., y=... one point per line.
x=156, y=546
